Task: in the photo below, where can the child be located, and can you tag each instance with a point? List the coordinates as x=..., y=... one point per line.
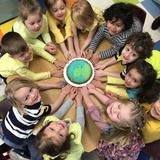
x=61, y=139
x=137, y=46
x=120, y=24
x=17, y=57
x=120, y=138
x=26, y=112
x=59, y=18
x=32, y=24
x=140, y=76
x=87, y=19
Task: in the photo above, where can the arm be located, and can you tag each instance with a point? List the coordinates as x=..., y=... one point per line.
x=70, y=46
x=88, y=40
x=80, y=111
x=93, y=110
x=104, y=73
x=75, y=39
x=24, y=72
x=107, y=63
x=60, y=98
x=64, y=49
x=97, y=38
x=42, y=53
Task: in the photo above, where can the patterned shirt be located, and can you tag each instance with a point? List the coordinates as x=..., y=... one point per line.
x=17, y=127
x=117, y=40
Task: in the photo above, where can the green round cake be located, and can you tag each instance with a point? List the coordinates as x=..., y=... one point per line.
x=79, y=71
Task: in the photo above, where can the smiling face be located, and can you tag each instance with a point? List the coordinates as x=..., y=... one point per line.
x=133, y=79
x=27, y=96
x=58, y=10
x=25, y=56
x=115, y=27
x=119, y=112
x=129, y=55
x=34, y=22
x=58, y=130
x=155, y=110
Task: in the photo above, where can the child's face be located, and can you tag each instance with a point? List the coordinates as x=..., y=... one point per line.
x=24, y=56
x=155, y=110
x=59, y=10
x=58, y=130
x=133, y=79
x=119, y=112
x=28, y=96
x=129, y=55
x=115, y=27
x=34, y=22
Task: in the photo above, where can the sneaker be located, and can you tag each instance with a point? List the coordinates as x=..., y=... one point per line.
x=156, y=23
x=15, y=156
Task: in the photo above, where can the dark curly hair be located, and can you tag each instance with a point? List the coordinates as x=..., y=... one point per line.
x=142, y=43
x=120, y=11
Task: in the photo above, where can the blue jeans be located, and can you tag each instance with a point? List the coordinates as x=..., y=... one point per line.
x=29, y=144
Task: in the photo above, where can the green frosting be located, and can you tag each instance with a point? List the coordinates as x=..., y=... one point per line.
x=79, y=71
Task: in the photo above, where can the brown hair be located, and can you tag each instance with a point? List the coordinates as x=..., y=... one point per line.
x=50, y=3
x=12, y=43
x=15, y=85
x=142, y=43
x=82, y=13
x=47, y=145
x=27, y=7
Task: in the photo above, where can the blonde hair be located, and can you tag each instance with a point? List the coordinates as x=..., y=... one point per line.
x=50, y=3
x=15, y=85
x=27, y=7
x=121, y=131
x=82, y=14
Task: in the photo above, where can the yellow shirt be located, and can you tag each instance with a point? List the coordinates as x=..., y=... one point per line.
x=76, y=145
x=154, y=60
x=151, y=130
x=53, y=25
x=10, y=66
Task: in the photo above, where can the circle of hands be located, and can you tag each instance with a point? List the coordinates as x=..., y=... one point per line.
x=78, y=93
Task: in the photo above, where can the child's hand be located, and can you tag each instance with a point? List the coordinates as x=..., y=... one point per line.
x=89, y=54
x=61, y=84
x=95, y=59
x=66, y=90
x=83, y=54
x=111, y=95
x=73, y=93
x=79, y=98
x=98, y=84
x=59, y=64
x=57, y=74
x=51, y=48
x=99, y=73
x=84, y=91
x=91, y=88
x=100, y=66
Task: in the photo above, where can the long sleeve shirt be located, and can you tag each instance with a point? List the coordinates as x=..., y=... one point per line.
x=10, y=66
x=117, y=40
x=17, y=127
x=53, y=26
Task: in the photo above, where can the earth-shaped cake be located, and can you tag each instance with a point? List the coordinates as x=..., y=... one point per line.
x=78, y=72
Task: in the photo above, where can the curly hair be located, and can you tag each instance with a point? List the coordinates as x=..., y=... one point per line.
x=120, y=11
x=142, y=43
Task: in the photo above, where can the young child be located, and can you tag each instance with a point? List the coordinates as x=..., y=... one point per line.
x=87, y=19
x=26, y=112
x=17, y=57
x=61, y=139
x=120, y=138
x=32, y=24
x=120, y=24
x=59, y=18
x=140, y=76
x=137, y=46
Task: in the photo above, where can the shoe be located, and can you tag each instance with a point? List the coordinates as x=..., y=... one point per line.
x=15, y=156
x=156, y=23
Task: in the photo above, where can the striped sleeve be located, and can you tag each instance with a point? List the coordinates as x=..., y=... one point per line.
x=97, y=38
